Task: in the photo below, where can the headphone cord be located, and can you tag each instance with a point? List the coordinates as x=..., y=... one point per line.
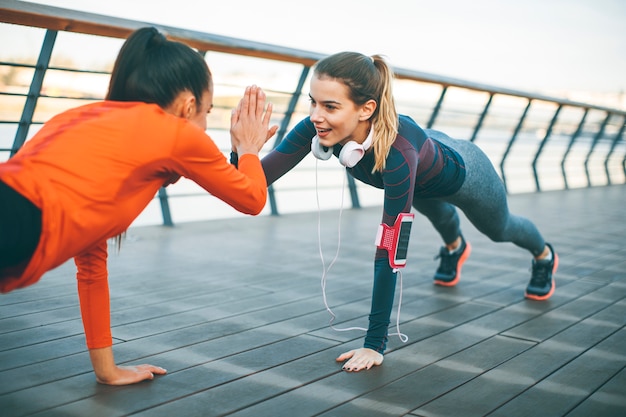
x=403, y=338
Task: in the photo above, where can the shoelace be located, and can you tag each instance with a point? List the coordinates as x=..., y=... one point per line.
x=540, y=272
x=447, y=260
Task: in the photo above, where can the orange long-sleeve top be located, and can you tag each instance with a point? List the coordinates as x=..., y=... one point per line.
x=93, y=169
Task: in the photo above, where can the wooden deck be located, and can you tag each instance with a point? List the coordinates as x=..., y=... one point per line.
x=233, y=309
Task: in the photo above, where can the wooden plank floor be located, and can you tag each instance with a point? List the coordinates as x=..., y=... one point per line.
x=233, y=309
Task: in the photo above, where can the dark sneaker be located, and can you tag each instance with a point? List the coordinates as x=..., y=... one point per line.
x=449, y=272
x=541, y=285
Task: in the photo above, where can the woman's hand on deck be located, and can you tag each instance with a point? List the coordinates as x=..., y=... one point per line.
x=126, y=375
x=359, y=359
x=107, y=372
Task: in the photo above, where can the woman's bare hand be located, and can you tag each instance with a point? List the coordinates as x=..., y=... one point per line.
x=126, y=375
x=360, y=359
x=107, y=372
x=249, y=122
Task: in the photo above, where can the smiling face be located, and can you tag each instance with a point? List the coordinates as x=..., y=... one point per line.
x=336, y=117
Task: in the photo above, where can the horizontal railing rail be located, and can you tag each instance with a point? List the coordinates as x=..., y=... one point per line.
x=536, y=141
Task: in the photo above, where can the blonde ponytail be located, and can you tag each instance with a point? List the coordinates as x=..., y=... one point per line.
x=385, y=120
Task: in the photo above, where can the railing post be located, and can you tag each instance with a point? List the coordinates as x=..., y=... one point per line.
x=596, y=139
x=482, y=118
x=543, y=143
x=165, y=207
x=437, y=107
x=577, y=133
x=512, y=141
x=354, y=195
x=34, y=91
x=284, y=124
x=618, y=136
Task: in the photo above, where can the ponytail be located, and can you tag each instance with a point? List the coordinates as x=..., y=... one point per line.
x=152, y=69
x=385, y=120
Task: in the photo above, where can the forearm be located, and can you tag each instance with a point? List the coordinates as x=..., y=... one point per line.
x=276, y=163
x=292, y=149
x=103, y=364
x=382, y=304
x=93, y=293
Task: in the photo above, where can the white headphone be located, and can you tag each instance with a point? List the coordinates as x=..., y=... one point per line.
x=351, y=153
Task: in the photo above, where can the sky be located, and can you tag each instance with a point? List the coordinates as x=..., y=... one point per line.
x=543, y=46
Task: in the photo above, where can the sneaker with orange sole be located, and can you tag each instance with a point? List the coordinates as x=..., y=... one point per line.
x=449, y=272
x=541, y=285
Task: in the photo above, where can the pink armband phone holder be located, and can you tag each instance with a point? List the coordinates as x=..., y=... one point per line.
x=395, y=239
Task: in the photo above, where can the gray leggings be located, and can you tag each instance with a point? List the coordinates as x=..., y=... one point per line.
x=483, y=200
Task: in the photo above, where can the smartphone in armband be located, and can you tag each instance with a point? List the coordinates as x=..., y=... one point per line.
x=395, y=239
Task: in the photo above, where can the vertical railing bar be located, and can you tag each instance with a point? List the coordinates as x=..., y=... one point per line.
x=34, y=90
x=624, y=165
x=618, y=137
x=616, y=140
x=595, y=141
x=437, y=107
x=293, y=102
x=479, y=124
x=284, y=124
x=354, y=195
x=543, y=144
x=165, y=207
x=573, y=139
x=518, y=128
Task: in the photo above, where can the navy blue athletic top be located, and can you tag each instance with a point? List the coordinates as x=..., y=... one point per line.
x=416, y=167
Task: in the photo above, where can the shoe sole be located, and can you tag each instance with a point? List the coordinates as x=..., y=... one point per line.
x=464, y=256
x=549, y=294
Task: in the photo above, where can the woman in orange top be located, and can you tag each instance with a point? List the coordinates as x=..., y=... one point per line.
x=90, y=171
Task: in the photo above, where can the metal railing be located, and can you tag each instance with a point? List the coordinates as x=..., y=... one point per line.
x=537, y=142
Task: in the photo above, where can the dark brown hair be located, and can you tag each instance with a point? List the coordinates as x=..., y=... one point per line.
x=153, y=69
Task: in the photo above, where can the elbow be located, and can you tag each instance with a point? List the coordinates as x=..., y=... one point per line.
x=254, y=211
x=257, y=212
x=259, y=208
x=257, y=203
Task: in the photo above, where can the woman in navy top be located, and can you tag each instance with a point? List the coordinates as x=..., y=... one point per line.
x=353, y=117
